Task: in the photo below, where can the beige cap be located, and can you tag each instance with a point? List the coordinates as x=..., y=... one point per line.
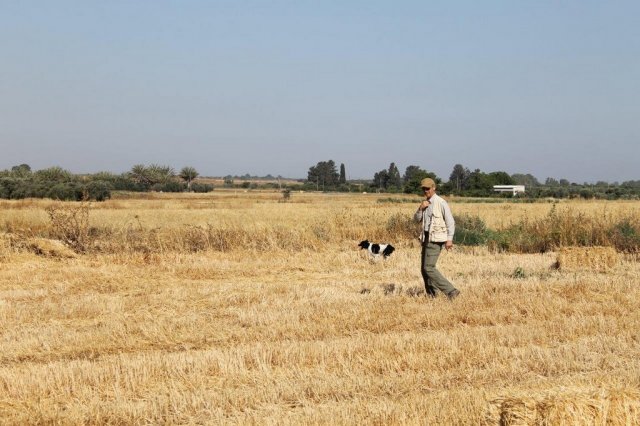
x=427, y=183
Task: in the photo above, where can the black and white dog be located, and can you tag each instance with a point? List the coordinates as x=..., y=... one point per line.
x=377, y=249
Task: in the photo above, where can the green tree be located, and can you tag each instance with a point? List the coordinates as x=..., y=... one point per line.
x=21, y=171
x=501, y=178
x=140, y=175
x=99, y=190
x=458, y=177
x=480, y=183
x=412, y=172
x=586, y=193
x=53, y=174
x=188, y=174
x=161, y=174
x=343, y=174
x=381, y=180
x=527, y=180
x=324, y=174
x=551, y=182
x=152, y=175
x=394, y=179
x=412, y=177
x=65, y=191
x=105, y=176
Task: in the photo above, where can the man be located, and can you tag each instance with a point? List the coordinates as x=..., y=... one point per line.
x=437, y=232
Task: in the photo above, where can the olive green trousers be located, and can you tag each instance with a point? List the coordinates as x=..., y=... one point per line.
x=433, y=279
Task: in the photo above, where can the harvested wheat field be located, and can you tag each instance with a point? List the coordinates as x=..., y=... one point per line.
x=241, y=308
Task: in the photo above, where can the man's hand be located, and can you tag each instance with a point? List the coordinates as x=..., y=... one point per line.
x=424, y=205
x=448, y=245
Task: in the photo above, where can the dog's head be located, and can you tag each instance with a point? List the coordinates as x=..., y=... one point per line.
x=364, y=244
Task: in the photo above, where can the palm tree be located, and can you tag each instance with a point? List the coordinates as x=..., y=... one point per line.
x=160, y=174
x=140, y=174
x=188, y=174
x=54, y=174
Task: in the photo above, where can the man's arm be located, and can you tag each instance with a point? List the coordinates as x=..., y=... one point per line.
x=417, y=216
x=451, y=225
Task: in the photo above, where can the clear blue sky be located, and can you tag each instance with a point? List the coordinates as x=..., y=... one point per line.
x=550, y=88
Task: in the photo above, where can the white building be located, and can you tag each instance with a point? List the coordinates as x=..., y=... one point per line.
x=514, y=189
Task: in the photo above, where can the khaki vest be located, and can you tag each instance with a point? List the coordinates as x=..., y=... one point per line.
x=438, y=227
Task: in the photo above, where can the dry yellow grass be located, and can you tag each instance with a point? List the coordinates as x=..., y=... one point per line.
x=568, y=406
x=595, y=259
x=158, y=209
x=286, y=335
x=49, y=247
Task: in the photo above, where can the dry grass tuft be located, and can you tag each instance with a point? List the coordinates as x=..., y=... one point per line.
x=49, y=248
x=5, y=245
x=599, y=259
x=70, y=223
x=568, y=406
x=46, y=247
x=510, y=410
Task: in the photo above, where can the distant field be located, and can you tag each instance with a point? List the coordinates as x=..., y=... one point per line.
x=237, y=307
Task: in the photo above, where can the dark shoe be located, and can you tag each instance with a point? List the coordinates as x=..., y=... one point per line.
x=454, y=293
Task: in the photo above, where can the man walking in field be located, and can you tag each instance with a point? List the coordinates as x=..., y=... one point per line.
x=437, y=232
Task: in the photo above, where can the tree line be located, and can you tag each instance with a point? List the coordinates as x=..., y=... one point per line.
x=57, y=183
x=466, y=183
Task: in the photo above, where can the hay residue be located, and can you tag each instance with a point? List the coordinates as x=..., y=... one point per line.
x=568, y=406
x=49, y=248
x=597, y=259
x=392, y=289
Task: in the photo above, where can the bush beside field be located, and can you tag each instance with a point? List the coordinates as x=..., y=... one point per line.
x=552, y=232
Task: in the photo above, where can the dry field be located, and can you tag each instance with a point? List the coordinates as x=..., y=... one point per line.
x=238, y=308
